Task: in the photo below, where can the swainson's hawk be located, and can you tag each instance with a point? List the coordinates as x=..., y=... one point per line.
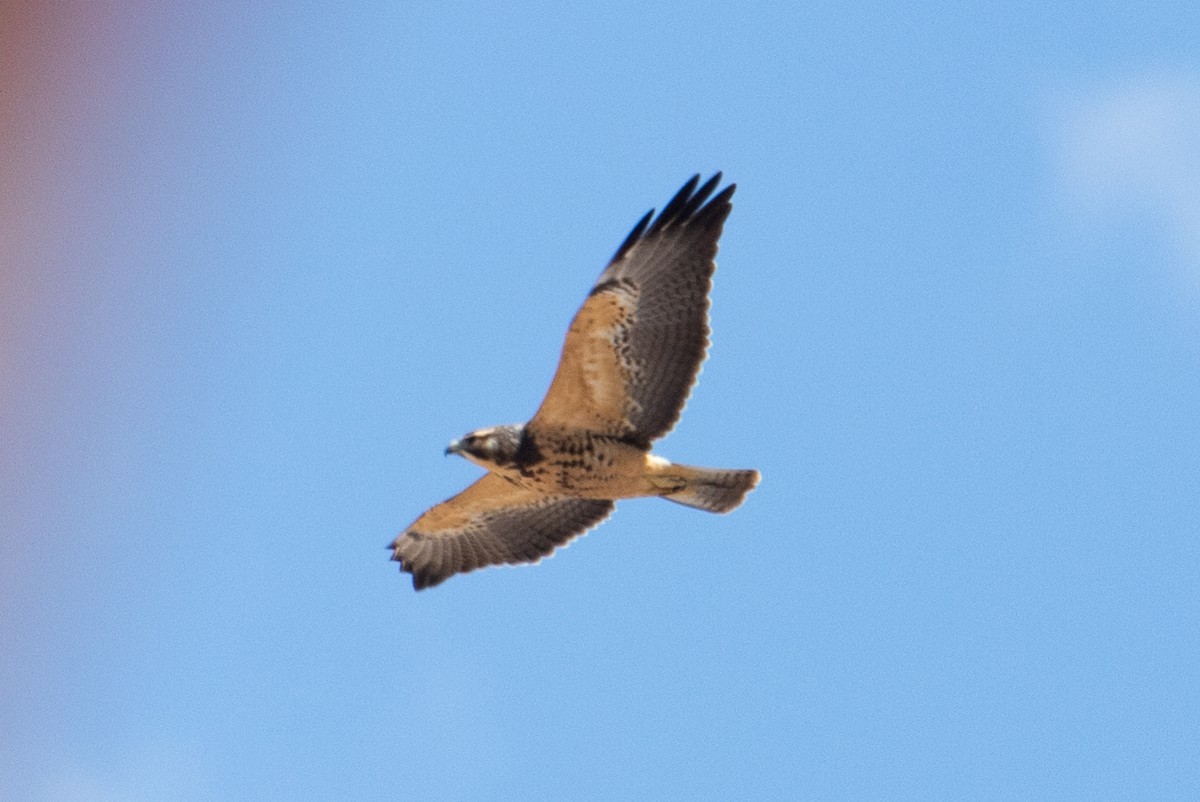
x=629, y=361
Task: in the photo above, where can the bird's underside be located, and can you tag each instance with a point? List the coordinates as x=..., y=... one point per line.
x=630, y=358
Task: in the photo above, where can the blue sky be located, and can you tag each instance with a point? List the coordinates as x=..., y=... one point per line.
x=264, y=264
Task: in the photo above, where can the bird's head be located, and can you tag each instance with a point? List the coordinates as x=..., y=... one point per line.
x=496, y=445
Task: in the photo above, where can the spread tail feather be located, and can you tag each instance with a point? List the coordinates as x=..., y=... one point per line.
x=711, y=489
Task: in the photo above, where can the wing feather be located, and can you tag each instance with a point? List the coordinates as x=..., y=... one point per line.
x=471, y=557
x=491, y=522
x=634, y=349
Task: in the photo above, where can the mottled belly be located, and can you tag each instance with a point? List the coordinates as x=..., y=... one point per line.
x=586, y=466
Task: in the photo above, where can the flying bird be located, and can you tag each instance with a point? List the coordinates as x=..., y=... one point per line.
x=630, y=358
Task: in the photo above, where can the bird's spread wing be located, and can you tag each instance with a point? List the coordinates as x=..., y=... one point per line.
x=491, y=522
x=635, y=346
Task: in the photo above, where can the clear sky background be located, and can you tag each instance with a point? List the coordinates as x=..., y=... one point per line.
x=261, y=264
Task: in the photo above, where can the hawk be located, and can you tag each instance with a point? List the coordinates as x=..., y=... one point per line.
x=629, y=361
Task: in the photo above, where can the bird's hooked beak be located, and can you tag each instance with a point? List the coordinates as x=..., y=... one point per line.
x=455, y=447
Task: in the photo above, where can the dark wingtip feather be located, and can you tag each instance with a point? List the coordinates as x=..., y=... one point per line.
x=720, y=206
x=689, y=203
x=634, y=236
x=677, y=206
x=697, y=199
x=427, y=579
x=419, y=576
x=423, y=576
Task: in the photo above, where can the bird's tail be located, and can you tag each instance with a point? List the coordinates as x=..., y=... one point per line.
x=711, y=489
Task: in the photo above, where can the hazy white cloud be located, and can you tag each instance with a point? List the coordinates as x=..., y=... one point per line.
x=1133, y=148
